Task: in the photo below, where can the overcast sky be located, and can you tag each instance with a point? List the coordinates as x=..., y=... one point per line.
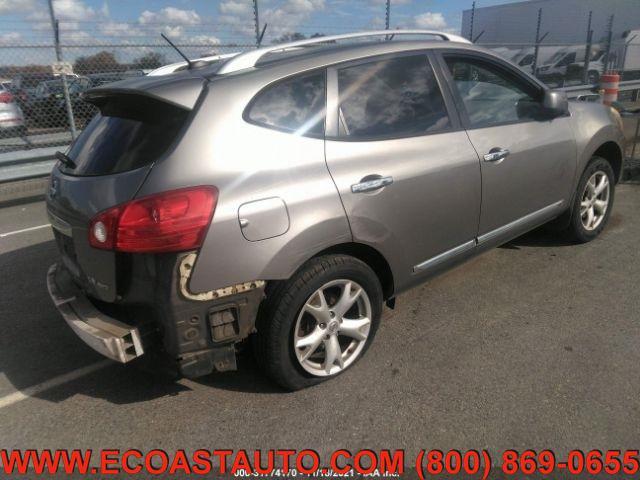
x=212, y=21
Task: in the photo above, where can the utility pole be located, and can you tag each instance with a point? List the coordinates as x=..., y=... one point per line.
x=256, y=19
x=65, y=87
x=388, y=16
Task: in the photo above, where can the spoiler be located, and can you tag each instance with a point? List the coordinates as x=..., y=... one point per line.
x=180, y=92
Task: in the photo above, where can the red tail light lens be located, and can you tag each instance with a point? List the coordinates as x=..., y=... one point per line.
x=166, y=222
x=6, y=97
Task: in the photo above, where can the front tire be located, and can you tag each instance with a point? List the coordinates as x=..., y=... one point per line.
x=593, y=201
x=318, y=323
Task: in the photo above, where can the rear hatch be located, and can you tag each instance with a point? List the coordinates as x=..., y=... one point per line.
x=139, y=122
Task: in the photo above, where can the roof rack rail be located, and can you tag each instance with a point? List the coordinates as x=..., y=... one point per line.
x=250, y=59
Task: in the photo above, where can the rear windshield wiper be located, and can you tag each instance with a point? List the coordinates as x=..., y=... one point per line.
x=65, y=160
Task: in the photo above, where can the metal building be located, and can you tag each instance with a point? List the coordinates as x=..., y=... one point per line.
x=565, y=20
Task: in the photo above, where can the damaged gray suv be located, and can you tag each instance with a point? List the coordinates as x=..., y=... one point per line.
x=285, y=194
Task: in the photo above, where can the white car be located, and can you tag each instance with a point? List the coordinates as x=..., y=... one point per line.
x=176, y=67
x=11, y=116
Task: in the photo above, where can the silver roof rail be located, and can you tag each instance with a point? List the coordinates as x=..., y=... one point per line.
x=250, y=59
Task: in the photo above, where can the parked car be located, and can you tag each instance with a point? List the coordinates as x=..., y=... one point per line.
x=48, y=106
x=98, y=79
x=23, y=88
x=285, y=194
x=11, y=116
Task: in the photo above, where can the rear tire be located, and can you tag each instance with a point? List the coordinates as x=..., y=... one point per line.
x=593, y=201
x=318, y=323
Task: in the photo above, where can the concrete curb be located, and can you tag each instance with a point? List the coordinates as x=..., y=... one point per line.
x=23, y=190
x=27, y=164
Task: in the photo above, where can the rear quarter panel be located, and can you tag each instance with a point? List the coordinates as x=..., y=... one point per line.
x=248, y=163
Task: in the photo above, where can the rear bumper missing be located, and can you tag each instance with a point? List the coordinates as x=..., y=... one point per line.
x=113, y=339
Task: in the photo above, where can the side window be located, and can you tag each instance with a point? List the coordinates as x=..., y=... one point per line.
x=392, y=97
x=295, y=105
x=490, y=95
x=568, y=59
x=527, y=60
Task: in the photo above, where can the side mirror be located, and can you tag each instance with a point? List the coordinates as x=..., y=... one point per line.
x=555, y=103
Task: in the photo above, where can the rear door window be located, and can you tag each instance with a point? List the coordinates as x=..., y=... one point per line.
x=128, y=133
x=394, y=97
x=295, y=105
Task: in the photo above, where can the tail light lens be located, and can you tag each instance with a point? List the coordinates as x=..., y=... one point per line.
x=6, y=97
x=166, y=222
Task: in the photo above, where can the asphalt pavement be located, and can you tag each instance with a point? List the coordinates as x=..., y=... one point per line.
x=532, y=345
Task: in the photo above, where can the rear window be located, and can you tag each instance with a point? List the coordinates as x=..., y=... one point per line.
x=129, y=132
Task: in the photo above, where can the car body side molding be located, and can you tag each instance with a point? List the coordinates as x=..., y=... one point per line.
x=444, y=256
x=531, y=218
x=541, y=214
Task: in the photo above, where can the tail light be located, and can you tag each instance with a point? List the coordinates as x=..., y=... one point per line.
x=6, y=97
x=165, y=222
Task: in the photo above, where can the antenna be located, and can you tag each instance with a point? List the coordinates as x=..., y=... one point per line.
x=189, y=62
x=264, y=29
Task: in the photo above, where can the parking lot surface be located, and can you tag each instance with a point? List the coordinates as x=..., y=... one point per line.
x=532, y=345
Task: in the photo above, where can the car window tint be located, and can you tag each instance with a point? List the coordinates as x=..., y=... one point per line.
x=295, y=105
x=391, y=97
x=129, y=132
x=490, y=96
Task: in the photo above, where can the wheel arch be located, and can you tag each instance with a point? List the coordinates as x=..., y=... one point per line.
x=372, y=257
x=608, y=150
x=611, y=152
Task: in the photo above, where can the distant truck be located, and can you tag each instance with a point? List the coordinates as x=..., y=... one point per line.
x=625, y=56
x=568, y=63
x=524, y=58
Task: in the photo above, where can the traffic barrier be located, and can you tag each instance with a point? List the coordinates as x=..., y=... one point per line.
x=610, y=84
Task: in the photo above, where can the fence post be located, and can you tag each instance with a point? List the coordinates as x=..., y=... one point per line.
x=388, y=15
x=256, y=19
x=607, y=55
x=473, y=14
x=587, y=53
x=65, y=86
x=537, y=47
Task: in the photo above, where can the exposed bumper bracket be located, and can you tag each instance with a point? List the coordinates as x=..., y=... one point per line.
x=113, y=339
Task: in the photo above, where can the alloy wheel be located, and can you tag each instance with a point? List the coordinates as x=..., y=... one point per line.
x=595, y=200
x=332, y=327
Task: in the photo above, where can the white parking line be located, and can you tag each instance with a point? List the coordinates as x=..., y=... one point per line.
x=2, y=235
x=52, y=383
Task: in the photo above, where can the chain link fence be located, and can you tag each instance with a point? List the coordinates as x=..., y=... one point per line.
x=43, y=75
x=36, y=96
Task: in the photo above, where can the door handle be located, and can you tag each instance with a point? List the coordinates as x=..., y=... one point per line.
x=371, y=185
x=496, y=154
